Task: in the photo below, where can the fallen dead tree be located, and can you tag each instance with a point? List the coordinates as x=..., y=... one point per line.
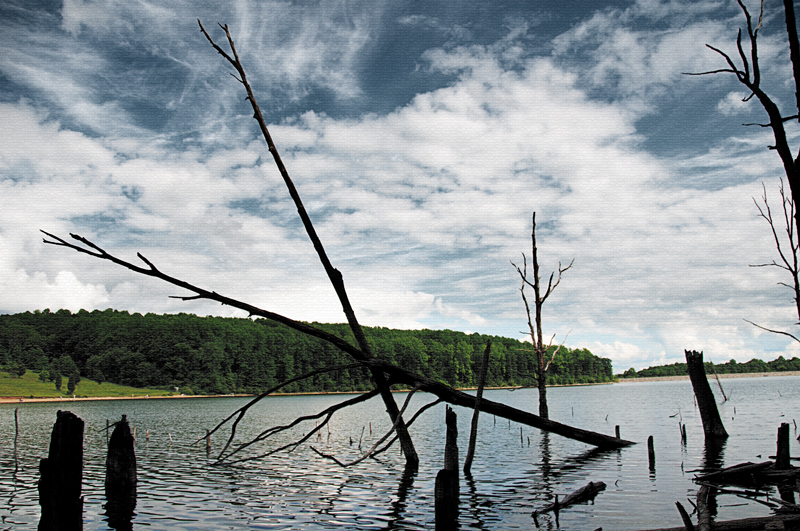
x=778, y=521
x=384, y=374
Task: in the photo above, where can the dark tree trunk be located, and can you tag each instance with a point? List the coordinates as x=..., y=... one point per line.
x=61, y=475
x=121, y=477
x=446, y=489
x=782, y=456
x=473, y=433
x=712, y=423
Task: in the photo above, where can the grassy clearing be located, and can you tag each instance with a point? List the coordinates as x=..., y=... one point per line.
x=30, y=386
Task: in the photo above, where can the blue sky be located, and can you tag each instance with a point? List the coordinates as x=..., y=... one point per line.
x=421, y=136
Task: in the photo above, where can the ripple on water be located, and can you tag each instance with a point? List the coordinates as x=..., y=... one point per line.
x=514, y=471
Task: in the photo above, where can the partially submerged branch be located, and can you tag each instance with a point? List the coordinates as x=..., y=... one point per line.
x=269, y=432
x=371, y=451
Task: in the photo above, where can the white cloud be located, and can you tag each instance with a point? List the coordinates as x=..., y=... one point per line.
x=733, y=103
x=420, y=208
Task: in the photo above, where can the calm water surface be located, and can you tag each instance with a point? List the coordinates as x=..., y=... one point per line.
x=515, y=471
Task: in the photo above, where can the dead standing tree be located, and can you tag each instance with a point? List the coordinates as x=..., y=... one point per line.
x=535, y=327
x=789, y=257
x=749, y=75
x=384, y=374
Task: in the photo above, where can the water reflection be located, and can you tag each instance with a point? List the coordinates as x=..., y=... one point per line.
x=179, y=490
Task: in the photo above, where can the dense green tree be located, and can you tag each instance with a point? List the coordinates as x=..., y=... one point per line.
x=223, y=355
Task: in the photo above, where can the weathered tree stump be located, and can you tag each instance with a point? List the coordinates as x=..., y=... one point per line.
x=121, y=477
x=782, y=456
x=709, y=414
x=61, y=475
x=446, y=490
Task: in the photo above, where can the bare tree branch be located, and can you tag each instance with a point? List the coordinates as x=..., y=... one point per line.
x=266, y=434
x=334, y=275
x=371, y=451
x=773, y=331
x=240, y=413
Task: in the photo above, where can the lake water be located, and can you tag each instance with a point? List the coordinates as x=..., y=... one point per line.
x=513, y=474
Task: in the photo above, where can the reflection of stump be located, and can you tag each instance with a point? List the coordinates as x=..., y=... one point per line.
x=712, y=423
x=61, y=475
x=446, y=490
x=121, y=477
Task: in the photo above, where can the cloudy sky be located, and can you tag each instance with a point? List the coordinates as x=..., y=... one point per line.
x=421, y=136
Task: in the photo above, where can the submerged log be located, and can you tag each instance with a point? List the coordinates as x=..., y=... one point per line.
x=709, y=414
x=583, y=494
x=736, y=474
x=779, y=521
x=61, y=475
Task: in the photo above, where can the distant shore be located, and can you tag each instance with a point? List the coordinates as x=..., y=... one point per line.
x=22, y=399
x=710, y=376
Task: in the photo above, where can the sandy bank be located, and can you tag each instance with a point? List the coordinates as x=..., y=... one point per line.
x=19, y=399
x=711, y=376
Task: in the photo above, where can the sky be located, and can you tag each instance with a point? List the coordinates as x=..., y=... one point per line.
x=421, y=137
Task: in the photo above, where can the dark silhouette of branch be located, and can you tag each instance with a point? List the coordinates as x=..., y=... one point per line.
x=773, y=331
x=269, y=432
x=371, y=451
x=751, y=78
x=334, y=274
x=398, y=375
x=240, y=413
x=152, y=271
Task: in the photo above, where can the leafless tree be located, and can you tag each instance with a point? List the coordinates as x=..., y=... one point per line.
x=787, y=247
x=535, y=326
x=384, y=373
x=749, y=75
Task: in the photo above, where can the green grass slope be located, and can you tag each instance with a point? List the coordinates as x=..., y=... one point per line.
x=30, y=386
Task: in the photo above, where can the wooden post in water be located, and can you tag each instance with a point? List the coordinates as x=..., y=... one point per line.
x=616, y=431
x=61, y=475
x=782, y=456
x=709, y=414
x=473, y=433
x=446, y=490
x=121, y=476
x=16, y=436
x=651, y=453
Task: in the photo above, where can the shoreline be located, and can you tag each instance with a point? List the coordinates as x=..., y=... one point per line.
x=27, y=400
x=710, y=376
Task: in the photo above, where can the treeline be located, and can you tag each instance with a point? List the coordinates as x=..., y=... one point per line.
x=731, y=367
x=227, y=355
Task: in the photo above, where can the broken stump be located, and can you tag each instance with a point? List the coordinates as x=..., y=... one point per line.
x=121, y=477
x=61, y=475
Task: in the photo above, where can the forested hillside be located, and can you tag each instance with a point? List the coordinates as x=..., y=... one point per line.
x=780, y=364
x=227, y=355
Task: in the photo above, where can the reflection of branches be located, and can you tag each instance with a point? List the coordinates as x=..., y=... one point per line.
x=370, y=452
x=327, y=413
